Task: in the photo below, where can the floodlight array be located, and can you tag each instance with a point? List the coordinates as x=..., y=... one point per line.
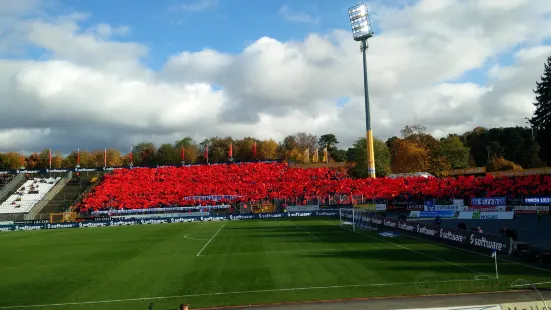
x=359, y=20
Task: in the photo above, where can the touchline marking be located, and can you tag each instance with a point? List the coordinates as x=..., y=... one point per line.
x=269, y=252
x=304, y=230
x=231, y=293
x=421, y=253
x=219, y=229
x=530, y=284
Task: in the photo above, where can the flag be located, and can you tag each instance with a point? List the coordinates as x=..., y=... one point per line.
x=315, y=159
x=494, y=253
x=131, y=155
x=306, y=156
x=325, y=157
x=206, y=153
x=230, y=152
x=78, y=157
x=183, y=154
x=105, y=157
x=50, y=158
x=254, y=150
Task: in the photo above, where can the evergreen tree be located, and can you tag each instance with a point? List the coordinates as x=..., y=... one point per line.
x=541, y=120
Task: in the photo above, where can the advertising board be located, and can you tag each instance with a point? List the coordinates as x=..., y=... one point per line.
x=479, y=241
x=302, y=208
x=380, y=207
x=489, y=201
x=488, y=208
x=432, y=214
x=469, y=215
x=531, y=209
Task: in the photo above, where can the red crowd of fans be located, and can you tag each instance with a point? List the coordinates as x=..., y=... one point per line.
x=172, y=186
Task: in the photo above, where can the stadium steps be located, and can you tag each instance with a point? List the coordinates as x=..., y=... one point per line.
x=11, y=187
x=66, y=196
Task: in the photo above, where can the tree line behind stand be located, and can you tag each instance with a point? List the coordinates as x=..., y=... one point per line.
x=499, y=149
x=415, y=150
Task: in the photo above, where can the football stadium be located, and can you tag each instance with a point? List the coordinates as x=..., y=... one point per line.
x=145, y=235
x=433, y=219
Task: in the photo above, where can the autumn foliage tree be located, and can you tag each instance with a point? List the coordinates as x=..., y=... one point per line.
x=409, y=156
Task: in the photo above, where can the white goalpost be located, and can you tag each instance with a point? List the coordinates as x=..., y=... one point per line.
x=350, y=218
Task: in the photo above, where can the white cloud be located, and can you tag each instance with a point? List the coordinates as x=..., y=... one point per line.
x=298, y=17
x=91, y=90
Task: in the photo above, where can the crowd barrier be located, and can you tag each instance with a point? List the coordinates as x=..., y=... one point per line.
x=33, y=225
x=478, y=241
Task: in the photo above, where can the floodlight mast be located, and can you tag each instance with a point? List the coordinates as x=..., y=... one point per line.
x=361, y=31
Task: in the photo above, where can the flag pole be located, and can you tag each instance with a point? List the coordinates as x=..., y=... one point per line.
x=494, y=254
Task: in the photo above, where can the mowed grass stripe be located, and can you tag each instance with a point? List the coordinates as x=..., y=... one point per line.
x=156, y=260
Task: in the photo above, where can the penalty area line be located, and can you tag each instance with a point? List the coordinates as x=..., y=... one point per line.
x=232, y=293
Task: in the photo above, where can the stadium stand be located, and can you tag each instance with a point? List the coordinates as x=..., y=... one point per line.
x=142, y=188
x=5, y=179
x=28, y=195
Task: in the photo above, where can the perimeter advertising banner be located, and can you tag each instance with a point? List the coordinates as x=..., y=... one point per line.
x=531, y=209
x=149, y=221
x=474, y=240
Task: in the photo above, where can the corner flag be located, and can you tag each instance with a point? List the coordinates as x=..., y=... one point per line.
x=494, y=255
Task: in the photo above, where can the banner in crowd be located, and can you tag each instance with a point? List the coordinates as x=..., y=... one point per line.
x=473, y=170
x=337, y=206
x=531, y=209
x=486, y=215
x=480, y=241
x=432, y=214
x=537, y=200
x=489, y=201
x=181, y=219
x=458, y=202
x=302, y=208
x=211, y=197
x=521, y=173
x=156, y=210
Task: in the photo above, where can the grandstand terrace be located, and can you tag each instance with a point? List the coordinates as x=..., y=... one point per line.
x=141, y=188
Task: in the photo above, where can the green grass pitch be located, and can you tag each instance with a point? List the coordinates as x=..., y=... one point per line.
x=232, y=263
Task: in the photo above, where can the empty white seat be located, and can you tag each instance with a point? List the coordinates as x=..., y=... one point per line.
x=28, y=195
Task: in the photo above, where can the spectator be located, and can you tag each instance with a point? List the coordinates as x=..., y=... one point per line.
x=503, y=230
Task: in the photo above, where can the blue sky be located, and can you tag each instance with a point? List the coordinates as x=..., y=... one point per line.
x=422, y=68
x=168, y=27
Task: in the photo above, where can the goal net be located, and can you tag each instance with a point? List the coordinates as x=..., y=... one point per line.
x=351, y=218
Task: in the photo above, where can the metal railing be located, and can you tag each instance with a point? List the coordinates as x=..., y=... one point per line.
x=10, y=187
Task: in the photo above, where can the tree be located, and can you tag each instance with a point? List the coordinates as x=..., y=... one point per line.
x=330, y=141
x=300, y=140
x=267, y=149
x=502, y=164
x=191, y=149
x=409, y=156
x=33, y=161
x=358, y=157
x=144, y=154
x=12, y=160
x=541, y=120
x=167, y=155
x=453, y=151
x=412, y=130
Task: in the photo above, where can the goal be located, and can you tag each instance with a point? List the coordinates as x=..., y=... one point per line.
x=351, y=218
